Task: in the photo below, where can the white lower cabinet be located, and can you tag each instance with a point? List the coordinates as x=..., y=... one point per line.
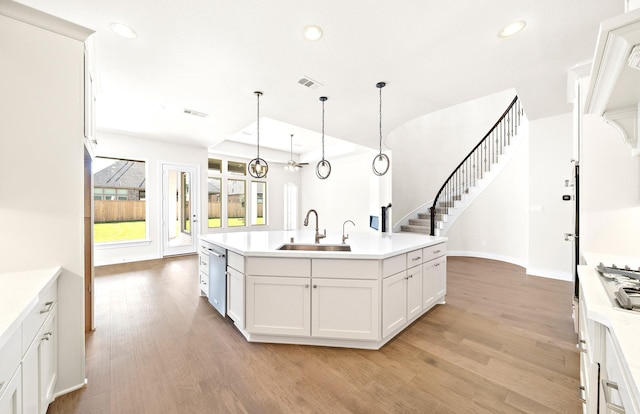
x=278, y=305
x=11, y=394
x=345, y=308
x=394, y=299
x=414, y=292
x=235, y=296
x=434, y=281
x=615, y=395
x=39, y=368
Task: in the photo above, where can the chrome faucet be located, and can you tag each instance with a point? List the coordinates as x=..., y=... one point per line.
x=344, y=238
x=306, y=223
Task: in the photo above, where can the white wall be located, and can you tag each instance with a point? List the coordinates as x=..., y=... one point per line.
x=154, y=153
x=496, y=224
x=550, y=154
x=41, y=164
x=610, y=192
x=352, y=192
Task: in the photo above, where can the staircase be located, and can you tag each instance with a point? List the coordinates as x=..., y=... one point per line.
x=470, y=177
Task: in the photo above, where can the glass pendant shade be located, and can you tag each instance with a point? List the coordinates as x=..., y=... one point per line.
x=323, y=168
x=258, y=167
x=381, y=163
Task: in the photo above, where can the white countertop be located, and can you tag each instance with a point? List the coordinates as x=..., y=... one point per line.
x=18, y=295
x=623, y=325
x=364, y=245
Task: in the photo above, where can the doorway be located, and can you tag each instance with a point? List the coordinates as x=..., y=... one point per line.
x=179, y=209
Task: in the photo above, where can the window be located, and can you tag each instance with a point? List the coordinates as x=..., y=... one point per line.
x=236, y=208
x=258, y=206
x=238, y=168
x=119, y=200
x=215, y=202
x=233, y=199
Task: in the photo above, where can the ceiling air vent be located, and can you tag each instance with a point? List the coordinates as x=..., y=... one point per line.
x=309, y=83
x=195, y=113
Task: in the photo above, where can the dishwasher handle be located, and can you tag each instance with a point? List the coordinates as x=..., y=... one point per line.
x=211, y=251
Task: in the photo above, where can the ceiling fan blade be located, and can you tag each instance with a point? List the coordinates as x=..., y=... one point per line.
x=302, y=163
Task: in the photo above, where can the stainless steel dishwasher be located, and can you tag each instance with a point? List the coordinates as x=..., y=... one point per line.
x=218, y=278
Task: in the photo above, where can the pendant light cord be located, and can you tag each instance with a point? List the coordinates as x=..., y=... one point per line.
x=380, y=118
x=258, y=122
x=323, y=128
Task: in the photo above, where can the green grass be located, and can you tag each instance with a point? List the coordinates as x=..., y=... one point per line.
x=136, y=230
x=122, y=231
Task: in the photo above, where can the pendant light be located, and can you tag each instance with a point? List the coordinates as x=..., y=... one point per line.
x=323, y=169
x=381, y=162
x=258, y=167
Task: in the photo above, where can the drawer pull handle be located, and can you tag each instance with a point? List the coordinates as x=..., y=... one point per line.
x=436, y=251
x=416, y=258
x=315, y=286
x=582, y=345
x=49, y=305
x=606, y=387
x=581, y=394
x=1, y=386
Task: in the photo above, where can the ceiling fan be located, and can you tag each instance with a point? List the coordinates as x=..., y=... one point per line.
x=291, y=164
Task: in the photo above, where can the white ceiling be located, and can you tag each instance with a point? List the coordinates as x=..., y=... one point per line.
x=211, y=55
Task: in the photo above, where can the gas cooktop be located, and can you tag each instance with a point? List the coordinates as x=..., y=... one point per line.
x=622, y=285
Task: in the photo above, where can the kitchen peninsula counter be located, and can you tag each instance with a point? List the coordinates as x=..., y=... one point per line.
x=364, y=245
x=360, y=298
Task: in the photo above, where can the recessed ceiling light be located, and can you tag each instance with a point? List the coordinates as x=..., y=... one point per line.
x=123, y=30
x=512, y=28
x=312, y=32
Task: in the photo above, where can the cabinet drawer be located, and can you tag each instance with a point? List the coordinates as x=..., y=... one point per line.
x=394, y=265
x=431, y=252
x=204, y=284
x=414, y=258
x=9, y=360
x=263, y=266
x=235, y=261
x=204, y=263
x=344, y=269
x=34, y=320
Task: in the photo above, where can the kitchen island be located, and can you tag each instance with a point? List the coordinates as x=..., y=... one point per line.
x=360, y=298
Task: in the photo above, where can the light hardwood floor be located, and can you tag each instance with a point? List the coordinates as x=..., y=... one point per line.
x=503, y=343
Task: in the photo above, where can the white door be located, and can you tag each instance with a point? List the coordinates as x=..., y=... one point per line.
x=180, y=204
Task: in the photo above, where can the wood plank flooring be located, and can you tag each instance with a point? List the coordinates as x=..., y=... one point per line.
x=503, y=343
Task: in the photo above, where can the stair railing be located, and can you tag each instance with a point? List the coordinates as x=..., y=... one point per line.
x=479, y=161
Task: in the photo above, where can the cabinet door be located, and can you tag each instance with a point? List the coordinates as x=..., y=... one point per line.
x=414, y=292
x=48, y=361
x=345, y=308
x=235, y=298
x=278, y=305
x=11, y=395
x=394, y=302
x=31, y=377
x=434, y=281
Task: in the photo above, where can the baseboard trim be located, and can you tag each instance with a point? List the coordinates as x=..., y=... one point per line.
x=531, y=271
x=485, y=255
x=550, y=274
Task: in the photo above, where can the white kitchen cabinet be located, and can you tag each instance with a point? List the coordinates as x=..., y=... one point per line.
x=414, y=292
x=10, y=375
x=11, y=394
x=203, y=267
x=39, y=367
x=615, y=395
x=235, y=296
x=345, y=308
x=434, y=281
x=278, y=305
x=394, y=300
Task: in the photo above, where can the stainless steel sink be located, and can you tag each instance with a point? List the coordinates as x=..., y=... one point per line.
x=316, y=247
